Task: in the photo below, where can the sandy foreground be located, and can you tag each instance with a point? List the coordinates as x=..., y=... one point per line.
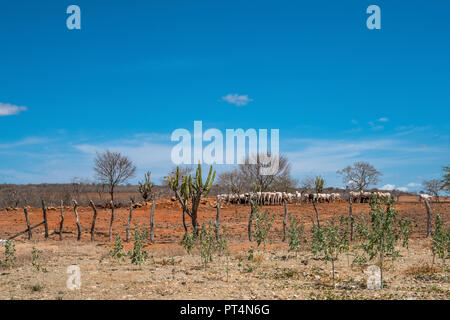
x=170, y=273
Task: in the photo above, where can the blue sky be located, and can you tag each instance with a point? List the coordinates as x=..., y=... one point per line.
x=137, y=70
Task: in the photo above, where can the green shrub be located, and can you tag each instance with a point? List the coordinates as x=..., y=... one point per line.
x=263, y=224
x=35, y=257
x=405, y=227
x=222, y=242
x=188, y=241
x=317, y=239
x=380, y=236
x=440, y=245
x=251, y=254
x=335, y=240
x=10, y=254
x=138, y=255
x=207, y=243
x=116, y=251
x=295, y=235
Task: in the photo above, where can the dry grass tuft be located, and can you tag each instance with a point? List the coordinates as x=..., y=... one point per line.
x=421, y=269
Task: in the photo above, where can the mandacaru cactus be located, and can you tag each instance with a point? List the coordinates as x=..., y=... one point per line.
x=193, y=189
x=319, y=183
x=145, y=187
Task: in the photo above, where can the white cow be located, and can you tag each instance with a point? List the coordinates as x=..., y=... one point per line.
x=425, y=197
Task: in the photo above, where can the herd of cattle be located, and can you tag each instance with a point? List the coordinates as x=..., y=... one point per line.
x=364, y=196
x=278, y=198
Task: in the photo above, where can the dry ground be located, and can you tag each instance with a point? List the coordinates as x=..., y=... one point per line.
x=170, y=273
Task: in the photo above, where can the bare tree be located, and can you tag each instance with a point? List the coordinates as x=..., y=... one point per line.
x=285, y=182
x=79, y=186
x=232, y=182
x=113, y=169
x=100, y=189
x=307, y=183
x=14, y=195
x=433, y=187
x=254, y=179
x=360, y=175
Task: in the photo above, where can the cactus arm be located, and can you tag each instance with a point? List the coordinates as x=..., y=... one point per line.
x=199, y=175
x=208, y=178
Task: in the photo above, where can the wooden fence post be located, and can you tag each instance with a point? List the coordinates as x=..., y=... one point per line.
x=112, y=221
x=250, y=221
x=44, y=210
x=93, y=220
x=427, y=204
x=317, y=213
x=351, y=218
x=129, y=221
x=75, y=206
x=61, y=223
x=152, y=225
x=30, y=234
x=217, y=222
x=285, y=220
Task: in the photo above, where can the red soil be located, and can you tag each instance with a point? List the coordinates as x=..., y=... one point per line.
x=168, y=222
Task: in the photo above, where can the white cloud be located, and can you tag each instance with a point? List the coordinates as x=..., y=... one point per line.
x=326, y=156
x=24, y=142
x=375, y=127
x=413, y=185
x=331, y=155
x=145, y=155
x=406, y=130
x=61, y=160
x=144, y=152
x=7, y=109
x=239, y=100
x=58, y=161
x=388, y=187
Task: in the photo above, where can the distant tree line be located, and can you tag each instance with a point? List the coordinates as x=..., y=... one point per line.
x=113, y=170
